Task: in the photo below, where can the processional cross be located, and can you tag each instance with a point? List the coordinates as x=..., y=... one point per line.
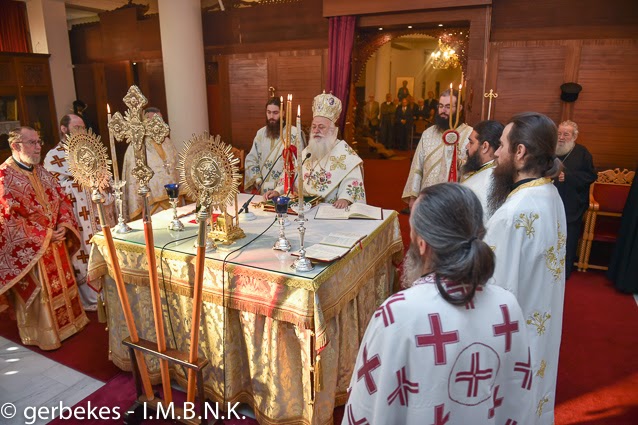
x=134, y=128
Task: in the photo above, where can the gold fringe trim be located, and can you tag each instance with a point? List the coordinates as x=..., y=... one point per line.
x=318, y=374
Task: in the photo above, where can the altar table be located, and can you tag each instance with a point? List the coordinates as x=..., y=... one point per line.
x=263, y=324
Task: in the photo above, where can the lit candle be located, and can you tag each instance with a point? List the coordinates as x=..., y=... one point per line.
x=299, y=160
x=451, y=96
x=289, y=114
x=458, y=107
x=116, y=173
x=281, y=117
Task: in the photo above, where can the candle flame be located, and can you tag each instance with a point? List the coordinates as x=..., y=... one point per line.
x=460, y=87
x=298, y=110
x=108, y=109
x=289, y=97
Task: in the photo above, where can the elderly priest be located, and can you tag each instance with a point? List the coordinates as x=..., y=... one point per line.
x=37, y=233
x=331, y=168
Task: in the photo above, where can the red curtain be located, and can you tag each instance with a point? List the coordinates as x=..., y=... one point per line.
x=340, y=43
x=13, y=27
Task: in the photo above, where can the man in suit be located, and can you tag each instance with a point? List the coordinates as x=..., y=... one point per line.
x=431, y=104
x=387, y=121
x=421, y=112
x=372, y=115
x=404, y=120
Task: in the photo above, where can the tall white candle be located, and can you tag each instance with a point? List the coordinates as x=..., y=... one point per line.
x=116, y=173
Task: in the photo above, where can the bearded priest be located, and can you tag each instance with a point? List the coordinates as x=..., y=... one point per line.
x=331, y=168
x=528, y=235
x=435, y=160
x=38, y=232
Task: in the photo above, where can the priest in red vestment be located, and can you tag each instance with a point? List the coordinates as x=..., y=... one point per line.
x=38, y=231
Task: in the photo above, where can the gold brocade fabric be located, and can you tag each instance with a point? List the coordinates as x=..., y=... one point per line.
x=267, y=356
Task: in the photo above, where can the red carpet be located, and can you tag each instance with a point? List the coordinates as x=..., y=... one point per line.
x=86, y=352
x=598, y=369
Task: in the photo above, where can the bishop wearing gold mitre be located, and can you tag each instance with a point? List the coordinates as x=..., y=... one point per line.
x=333, y=170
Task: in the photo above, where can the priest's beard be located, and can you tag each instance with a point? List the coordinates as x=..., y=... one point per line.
x=412, y=266
x=33, y=159
x=502, y=182
x=473, y=163
x=564, y=148
x=272, y=128
x=320, y=146
x=443, y=122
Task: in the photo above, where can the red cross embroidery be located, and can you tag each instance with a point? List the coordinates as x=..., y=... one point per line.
x=506, y=328
x=452, y=289
x=511, y=422
x=437, y=339
x=57, y=161
x=366, y=370
x=353, y=421
x=474, y=375
x=76, y=185
x=403, y=388
x=82, y=256
x=440, y=417
x=526, y=368
x=84, y=213
x=497, y=402
x=385, y=310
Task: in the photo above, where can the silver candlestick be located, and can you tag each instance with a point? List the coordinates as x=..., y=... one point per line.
x=302, y=264
x=172, y=190
x=281, y=208
x=121, y=226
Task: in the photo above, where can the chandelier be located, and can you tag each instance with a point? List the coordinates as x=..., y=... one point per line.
x=444, y=57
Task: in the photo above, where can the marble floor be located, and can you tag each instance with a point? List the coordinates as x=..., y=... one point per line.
x=29, y=380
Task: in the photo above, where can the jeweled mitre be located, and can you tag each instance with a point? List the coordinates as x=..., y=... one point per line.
x=327, y=106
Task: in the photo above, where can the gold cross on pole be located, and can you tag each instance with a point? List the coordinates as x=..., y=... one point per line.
x=133, y=128
x=491, y=95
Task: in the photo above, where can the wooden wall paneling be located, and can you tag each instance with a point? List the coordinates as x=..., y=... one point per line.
x=606, y=108
x=340, y=7
x=563, y=19
x=491, y=76
x=118, y=78
x=151, y=76
x=248, y=86
x=572, y=65
x=529, y=79
x=301, y=76
x=85, y=90
x=225, y=117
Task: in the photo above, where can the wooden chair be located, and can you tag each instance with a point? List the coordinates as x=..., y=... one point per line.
x=240, y=153
x=607, y=197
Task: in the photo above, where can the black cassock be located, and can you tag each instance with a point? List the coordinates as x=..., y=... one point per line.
x=574, y=191
x=623, y=268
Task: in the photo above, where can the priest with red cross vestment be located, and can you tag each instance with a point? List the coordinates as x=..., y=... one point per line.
x=449, y=349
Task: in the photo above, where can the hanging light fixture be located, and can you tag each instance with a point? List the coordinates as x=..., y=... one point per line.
x=445, y=57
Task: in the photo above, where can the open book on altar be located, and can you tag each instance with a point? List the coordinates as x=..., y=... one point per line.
x=356, y=210
x=333, y=246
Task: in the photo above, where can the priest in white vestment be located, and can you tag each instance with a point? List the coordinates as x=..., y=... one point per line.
x=477, y=170
x=449, y=349
x=434, y=159
x=162, y=159
x=528, y=235
x=84, y=209
x=264, y=163
x=331, y=168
